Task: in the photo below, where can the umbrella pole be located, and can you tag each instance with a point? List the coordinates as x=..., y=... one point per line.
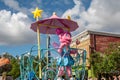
x=37, y=14
x=48, y=47
x=39, y=55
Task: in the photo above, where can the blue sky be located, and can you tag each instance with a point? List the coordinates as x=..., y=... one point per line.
x=16, y=37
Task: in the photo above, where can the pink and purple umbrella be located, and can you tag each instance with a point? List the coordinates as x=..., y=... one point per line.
x=49, y=25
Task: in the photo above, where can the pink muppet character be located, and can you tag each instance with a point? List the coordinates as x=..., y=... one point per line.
x=64, y=38
x=66, y=61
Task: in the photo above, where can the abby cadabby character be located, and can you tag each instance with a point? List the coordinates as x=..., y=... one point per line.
x=65, y=61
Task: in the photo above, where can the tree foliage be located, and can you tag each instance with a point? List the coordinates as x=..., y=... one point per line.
x=107, y=62
x=5, y=68
x=12, y=68
x=15, y=72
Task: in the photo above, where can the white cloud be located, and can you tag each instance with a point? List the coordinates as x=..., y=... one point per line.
x=12, y=4
x=15, y=28
x=15, y=5
x=102, y=15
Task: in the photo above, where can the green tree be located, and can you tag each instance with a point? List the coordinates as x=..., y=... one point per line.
x=114, y=57
x=15, y=72
x=5, y=68
x=95, y=61
x=7, y=55
x=106, y=62
x=12, y=68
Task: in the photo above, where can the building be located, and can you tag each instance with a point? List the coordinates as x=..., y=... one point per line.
x=94, y=41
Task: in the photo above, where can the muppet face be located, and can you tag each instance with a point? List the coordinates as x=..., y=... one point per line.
x=65, y=38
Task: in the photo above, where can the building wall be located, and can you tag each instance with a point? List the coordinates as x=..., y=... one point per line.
x=102, y=42
x=84, y=44
x=91, y=42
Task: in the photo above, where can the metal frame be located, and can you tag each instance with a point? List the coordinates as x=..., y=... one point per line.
x=50, y=70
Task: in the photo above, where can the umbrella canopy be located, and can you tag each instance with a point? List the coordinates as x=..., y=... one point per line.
x=48, y=26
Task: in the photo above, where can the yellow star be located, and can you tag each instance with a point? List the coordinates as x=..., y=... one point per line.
x=37, y=13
